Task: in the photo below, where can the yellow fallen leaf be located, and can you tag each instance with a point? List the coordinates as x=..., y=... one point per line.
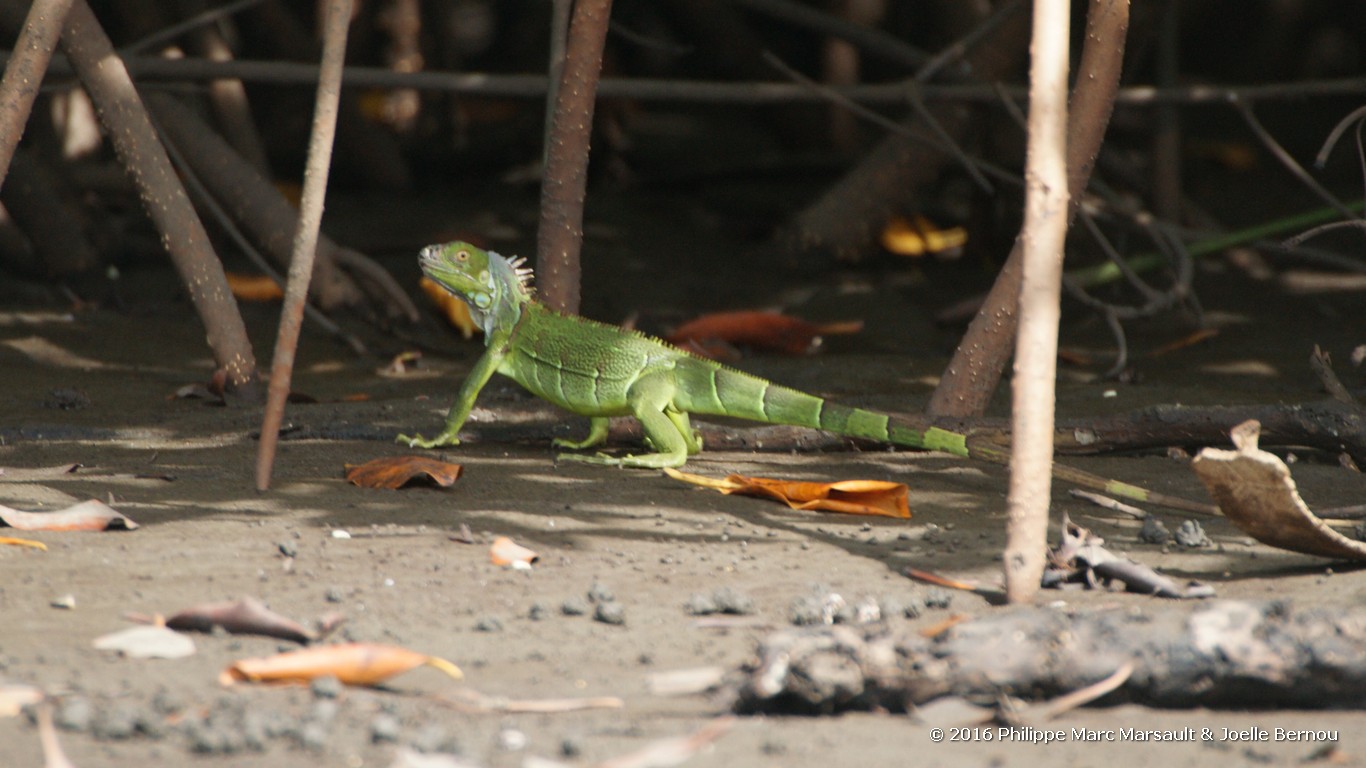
x=351, y=663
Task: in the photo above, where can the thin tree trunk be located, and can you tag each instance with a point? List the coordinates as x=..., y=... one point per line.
x=975, y=371
x=565, y=182
x=1045, y=229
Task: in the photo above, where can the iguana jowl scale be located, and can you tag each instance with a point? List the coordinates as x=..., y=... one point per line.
x=597, y=370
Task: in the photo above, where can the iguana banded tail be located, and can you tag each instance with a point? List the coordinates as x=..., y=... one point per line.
x=599, y=371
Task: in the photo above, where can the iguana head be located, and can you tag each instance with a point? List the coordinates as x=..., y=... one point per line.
x=494, y=287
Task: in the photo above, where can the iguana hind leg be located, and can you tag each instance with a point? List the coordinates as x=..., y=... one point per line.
x=667, y=429
x=597, y=435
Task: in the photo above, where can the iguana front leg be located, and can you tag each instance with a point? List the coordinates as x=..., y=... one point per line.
x=667, y=429
x=483, y=370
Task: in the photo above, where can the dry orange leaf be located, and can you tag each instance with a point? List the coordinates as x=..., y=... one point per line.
x=92, y=515
x=759, y=329
x=10, y=541
x=851, y=497
x=456, y=311
x=394, y=472
x=254, y=287
x=351, y=663
x=505, y=551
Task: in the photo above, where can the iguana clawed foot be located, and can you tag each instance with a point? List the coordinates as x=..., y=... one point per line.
x=643, y=461
x=442, y=440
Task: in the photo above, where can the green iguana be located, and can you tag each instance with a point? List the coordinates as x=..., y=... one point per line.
x=597, y=370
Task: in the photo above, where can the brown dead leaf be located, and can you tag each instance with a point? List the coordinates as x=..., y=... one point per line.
x=394, y=472
x=351, y=663
x=852, y=497
x=1255, y=491
x=456, y=311
x=92, y=515
x=10, y=541
x=247, y=616
x=758, y=329
x=254, y=287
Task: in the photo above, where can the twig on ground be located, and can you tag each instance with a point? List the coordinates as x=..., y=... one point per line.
x=1322, y=366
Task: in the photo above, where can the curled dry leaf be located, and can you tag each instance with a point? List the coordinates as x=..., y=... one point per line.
x=852, y=497
x=757, y=329
x=456, y=312
x=247, y=616
x=1255, y=491
x=394, y=472
x=505, y=551
x=92, y=515
x=10, y=541
x=351, y=663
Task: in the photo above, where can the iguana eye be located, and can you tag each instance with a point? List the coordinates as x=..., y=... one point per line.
x=462, y=255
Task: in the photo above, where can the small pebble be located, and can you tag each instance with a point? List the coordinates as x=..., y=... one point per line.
x=74, y=714
x=117, y=721
x=1154, y=531
x=538, y=611
x=937, y=597
x=733, y=602
x=313, y=736
x=326, y=687
x=610, y=613
x=334, y=595
x=512, y=740
x=700, y=604
x=287, y=548
x=806, y=611
x=65, y=602
x=488, y=624
x=574, y=606
x=385, y=729
x=338, y=533
x=432, y=738
x=600, y=593
x=1191, y=534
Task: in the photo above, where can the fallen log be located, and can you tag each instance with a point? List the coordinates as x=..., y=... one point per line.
x=1222, y=653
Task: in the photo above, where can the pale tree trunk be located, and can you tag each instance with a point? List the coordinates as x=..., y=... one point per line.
x=1045, y=229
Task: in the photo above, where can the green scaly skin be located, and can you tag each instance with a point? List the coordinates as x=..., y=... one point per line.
x=599, y=371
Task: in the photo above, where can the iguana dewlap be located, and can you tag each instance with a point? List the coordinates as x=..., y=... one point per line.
x=597, y=370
